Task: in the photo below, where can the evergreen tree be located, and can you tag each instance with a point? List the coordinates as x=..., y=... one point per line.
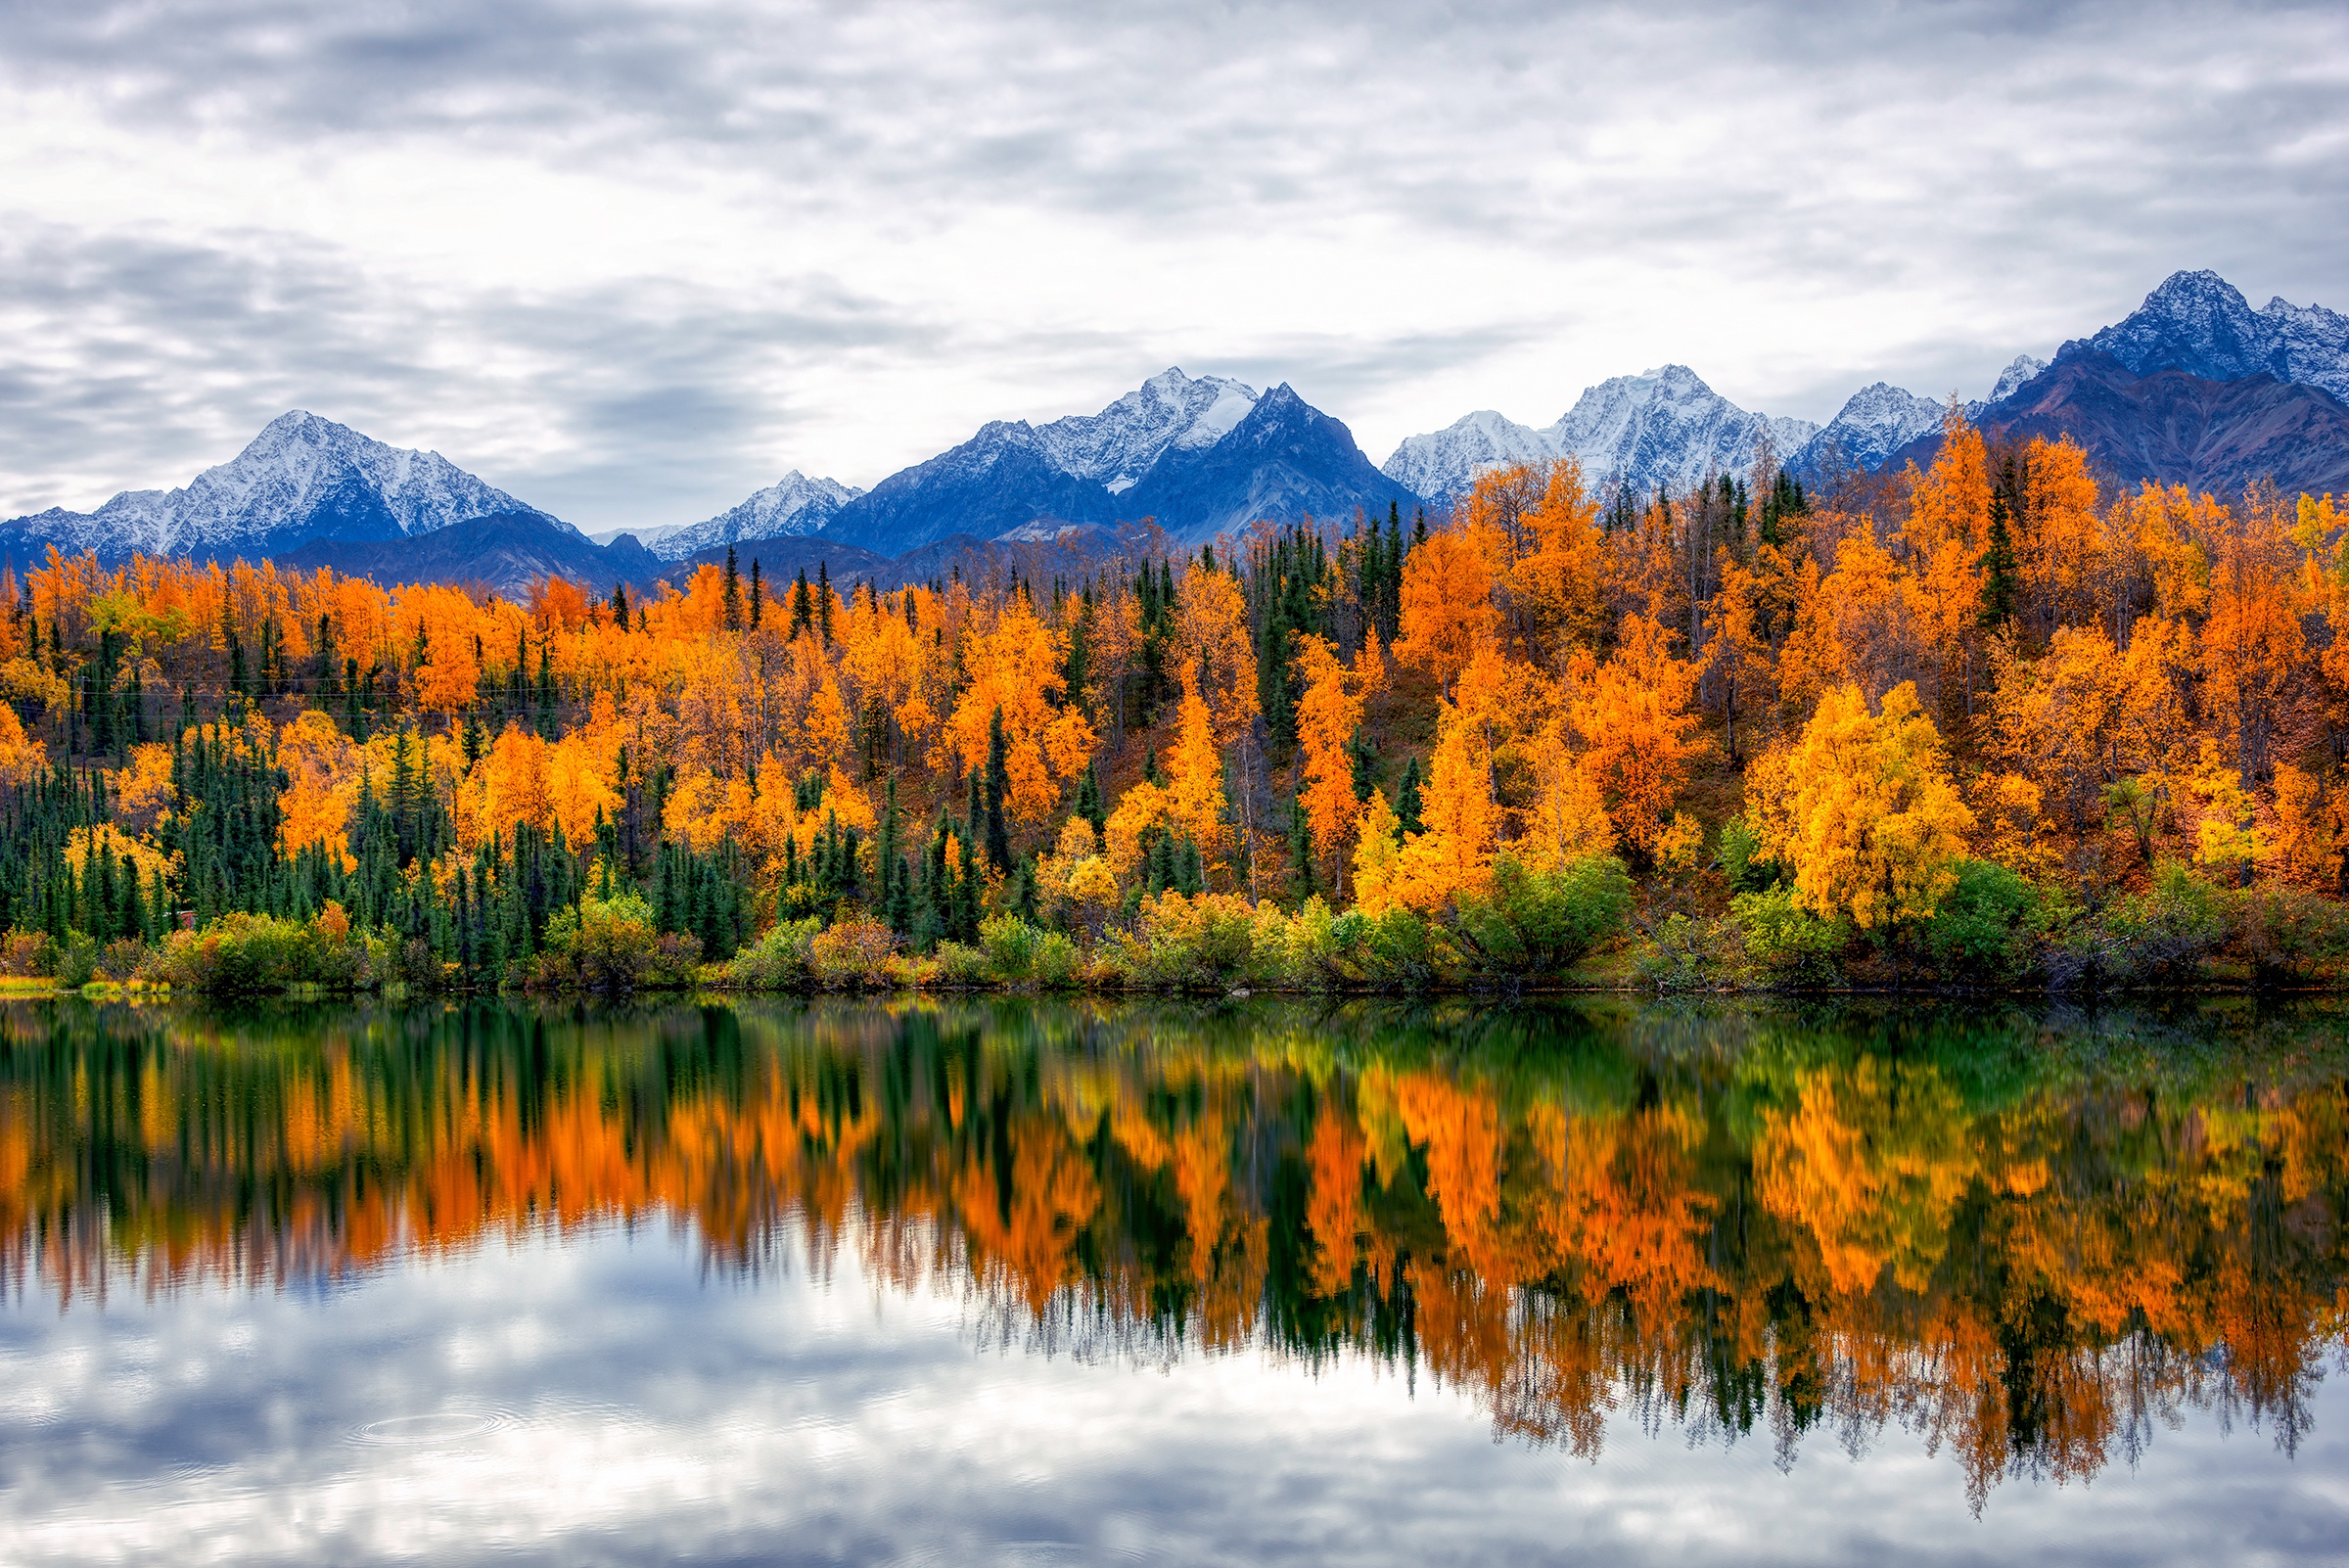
x=1406, y=798
x=998, y=784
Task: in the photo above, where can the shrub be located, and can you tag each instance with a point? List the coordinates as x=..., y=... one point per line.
x=2164, y=934
x=1010, y=945
x=1534, y=922
x=1203, y=942
x=1685, y=954
x=242, y=953
x=2290, y=932
x=1397, y=947
x=611, y=945
x=1059, y=966
x=1748, y=869
x=1988, y=927
x=76, y=961
x=122, y=959
x=852, y=954
x=1784, y=941
x=962, y=967
x=27, y=953
x=777, y=960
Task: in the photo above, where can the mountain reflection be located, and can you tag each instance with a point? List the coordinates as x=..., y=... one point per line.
x=2027, y=1239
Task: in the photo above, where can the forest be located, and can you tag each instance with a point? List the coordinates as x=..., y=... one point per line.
x=1999, y=722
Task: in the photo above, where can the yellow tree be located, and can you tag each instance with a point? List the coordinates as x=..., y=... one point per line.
x=1016, y=665
x=1454, y=854
x=1329, y=714
x=1632, y=712
x=1862, y=808
x=1447, y=610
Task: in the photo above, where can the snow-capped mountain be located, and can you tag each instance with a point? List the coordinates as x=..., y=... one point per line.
x=1448, y=461
x=1874, y=423
x=1194, y=454
x=1170, y=412
x=1668, y=428
x=1665, y=427
x=2010, y=380
x=302, y=477
x=1284, y=462
x=794, y=504
x=2199, y=323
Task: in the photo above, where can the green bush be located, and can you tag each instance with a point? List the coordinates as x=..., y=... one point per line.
x=242, y=953
x=1742, y=861
x=779, y=960
x=1989, y=926
x=2165, y=934
x=1010, y=945
x=1785, y=942
x=1686, y=954
x=1538, y=922
x=1058, y=965
x=611, y=945
x=1205, y=942
x=962, y=966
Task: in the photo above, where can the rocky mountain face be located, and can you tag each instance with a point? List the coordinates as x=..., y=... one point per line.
x=302, y=477
x=1170, y=412
x=2201, y=324
x=505, y=551
x=793, y=505
x=1197, y=455
x=2174, y=427
x=1665, y=427
x=1284, y=462
x=1874, y=421
x=2193, y=386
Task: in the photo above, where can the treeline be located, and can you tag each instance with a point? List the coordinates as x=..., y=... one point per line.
x=1995, y=718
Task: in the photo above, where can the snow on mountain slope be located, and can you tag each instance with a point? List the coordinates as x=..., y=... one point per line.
x=1448, y=461
x=2199, y=323
x=302, y=477
x=2013, y=377
x=1874, y=421
x=1663, y=427
x=1667, y=427
x=793, y=505
x=1117, y=446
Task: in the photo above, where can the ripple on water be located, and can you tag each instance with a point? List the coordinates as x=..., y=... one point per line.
x=435, y=1429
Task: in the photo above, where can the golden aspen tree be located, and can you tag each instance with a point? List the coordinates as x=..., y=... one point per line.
x=1329, y=714
x=1632, y=712
x=1447, y=610
x=1862, y=806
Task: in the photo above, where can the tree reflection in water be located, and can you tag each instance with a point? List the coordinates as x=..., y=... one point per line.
x=2026, y=1237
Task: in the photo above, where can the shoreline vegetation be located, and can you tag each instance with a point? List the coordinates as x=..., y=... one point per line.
x=1999, y=724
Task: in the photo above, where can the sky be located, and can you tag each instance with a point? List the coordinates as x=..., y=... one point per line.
x=631, y=259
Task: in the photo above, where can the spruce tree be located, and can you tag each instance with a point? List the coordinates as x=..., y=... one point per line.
x=998, y=785
x=1406, y=798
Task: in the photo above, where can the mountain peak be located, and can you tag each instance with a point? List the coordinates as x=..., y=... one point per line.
x=794, y=505
x=2201, y=324
x=302, y=476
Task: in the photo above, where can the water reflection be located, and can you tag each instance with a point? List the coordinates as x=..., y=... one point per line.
x=2028, y=1241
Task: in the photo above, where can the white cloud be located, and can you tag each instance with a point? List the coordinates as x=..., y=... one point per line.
x=631, y=260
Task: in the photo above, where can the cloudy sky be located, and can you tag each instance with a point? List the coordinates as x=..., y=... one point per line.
x=631, y=260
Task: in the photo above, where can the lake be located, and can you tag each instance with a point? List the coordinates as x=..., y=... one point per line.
x=1019, y=1281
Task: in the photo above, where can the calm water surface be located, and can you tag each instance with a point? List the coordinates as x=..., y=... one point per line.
x=1032, y=1283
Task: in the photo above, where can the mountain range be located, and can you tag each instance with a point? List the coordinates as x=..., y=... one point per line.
x=2194, y=387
